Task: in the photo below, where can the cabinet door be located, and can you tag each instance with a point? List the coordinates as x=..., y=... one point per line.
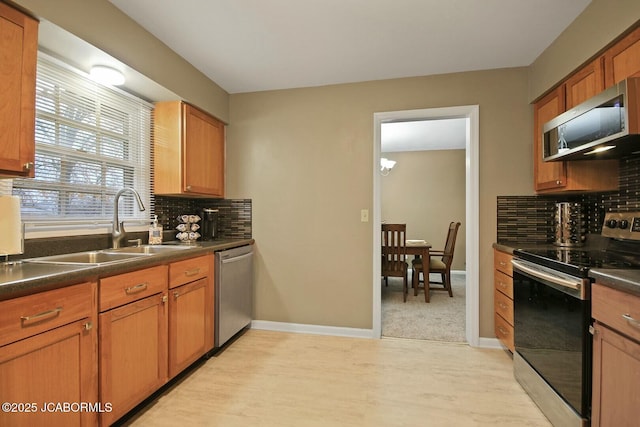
x=57, y=366
x=623, y=59
x=133, y=354
x=190, y=324
x=18, y=53
x=203, y=153
x=547, y=175
x=584, y=84
x=616, y=379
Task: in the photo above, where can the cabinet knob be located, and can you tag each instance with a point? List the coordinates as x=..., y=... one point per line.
x=27, y=166
x=558, y=182
x=188, y=188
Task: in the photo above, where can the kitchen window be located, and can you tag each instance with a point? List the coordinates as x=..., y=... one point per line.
x=91, y=141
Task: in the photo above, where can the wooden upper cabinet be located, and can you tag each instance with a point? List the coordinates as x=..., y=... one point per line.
x=547, y=175
x=561, y=176
x=189, y=151
x=18, y=56
x=584, y=84
x=623, y=59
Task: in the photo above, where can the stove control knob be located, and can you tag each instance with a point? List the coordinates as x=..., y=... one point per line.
x=612, y=223
x=623, y=224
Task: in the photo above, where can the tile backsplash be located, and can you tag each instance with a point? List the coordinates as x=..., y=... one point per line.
x=234, y=216
x=530, y=218
x=234, y=222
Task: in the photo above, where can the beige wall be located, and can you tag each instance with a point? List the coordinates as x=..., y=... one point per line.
x=427, y=211
x=305, y=157
x=104, y=26
x=600, y=23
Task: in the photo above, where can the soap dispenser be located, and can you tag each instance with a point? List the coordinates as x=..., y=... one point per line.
x=155, y=232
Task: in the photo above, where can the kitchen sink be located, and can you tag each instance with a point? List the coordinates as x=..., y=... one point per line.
x=147, y=249
x=107, y=256
x=86, y=258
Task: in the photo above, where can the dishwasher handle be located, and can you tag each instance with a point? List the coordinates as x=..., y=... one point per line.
x=236, y=258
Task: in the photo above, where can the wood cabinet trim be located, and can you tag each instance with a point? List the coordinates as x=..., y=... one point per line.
x=189, y=270
x=128, y=287
x=75, y=302
x=608, y=306
x=17, y=97
x=630, y=40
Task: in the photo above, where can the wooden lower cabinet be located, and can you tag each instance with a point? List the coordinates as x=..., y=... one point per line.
x=133, y=338
x=503, y=298
x=616, y=379
x=189, y=325
x=133, y=354
x=616, y=357
x=145, y=340
x=47, y=372
x=191, y=314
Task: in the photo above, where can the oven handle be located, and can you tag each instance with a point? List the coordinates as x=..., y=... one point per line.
x=573, y=284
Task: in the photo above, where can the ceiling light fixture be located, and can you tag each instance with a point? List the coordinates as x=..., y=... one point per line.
x=386, y=165
x=106, y=75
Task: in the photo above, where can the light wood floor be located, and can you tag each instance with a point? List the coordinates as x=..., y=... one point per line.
x=283, y=379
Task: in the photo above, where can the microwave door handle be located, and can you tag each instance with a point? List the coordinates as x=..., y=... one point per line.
x=573, y=284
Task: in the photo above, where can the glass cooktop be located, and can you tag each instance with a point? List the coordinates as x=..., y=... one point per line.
x=578, y=261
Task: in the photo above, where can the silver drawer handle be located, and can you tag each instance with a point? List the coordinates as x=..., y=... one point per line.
x=502, y=285
x=137, y=288
x=503, y=264
x=633, y=322
x=41, y=316
x=502, y=330
x=192, y=272
x=502, y=305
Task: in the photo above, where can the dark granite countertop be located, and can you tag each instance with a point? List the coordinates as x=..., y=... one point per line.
x=509, y=247
x=24, y=278
x=623, y=280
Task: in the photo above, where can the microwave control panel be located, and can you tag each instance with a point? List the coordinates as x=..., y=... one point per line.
x=622, y=225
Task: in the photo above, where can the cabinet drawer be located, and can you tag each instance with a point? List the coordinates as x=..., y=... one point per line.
x=503, y=283
x=502, y=262
x=609, y=305
x=504, y=331
x=503, y=305
x=128, y=287
x=32, y=314
x=186, y=271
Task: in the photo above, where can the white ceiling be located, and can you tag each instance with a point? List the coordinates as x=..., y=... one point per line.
x=256, y=45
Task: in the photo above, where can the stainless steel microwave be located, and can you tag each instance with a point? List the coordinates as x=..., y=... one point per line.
x=603, y=127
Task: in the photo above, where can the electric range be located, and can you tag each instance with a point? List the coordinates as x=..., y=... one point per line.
x=552, y=315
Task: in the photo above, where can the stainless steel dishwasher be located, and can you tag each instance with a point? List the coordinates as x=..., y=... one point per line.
x=234, y=292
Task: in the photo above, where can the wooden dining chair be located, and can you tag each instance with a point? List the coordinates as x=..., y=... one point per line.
x=394, y=254
x=439, y=262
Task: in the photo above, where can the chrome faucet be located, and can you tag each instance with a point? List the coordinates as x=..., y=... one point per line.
x=117, y=232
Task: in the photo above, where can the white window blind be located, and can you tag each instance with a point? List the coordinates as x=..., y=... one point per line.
x=91, y=141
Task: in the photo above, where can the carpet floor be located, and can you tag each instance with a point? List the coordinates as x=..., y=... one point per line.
x=442, y=319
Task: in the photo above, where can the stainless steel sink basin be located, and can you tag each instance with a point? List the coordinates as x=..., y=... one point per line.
x=147, y=249
x=107, y=256
x=86, y=258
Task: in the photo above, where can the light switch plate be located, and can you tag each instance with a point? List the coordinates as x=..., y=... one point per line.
x=364, y=215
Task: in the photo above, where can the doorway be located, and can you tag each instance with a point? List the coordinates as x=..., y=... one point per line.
x=471, y=219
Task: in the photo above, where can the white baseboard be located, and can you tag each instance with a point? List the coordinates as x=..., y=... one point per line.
x=490, y=343
x=311, y=329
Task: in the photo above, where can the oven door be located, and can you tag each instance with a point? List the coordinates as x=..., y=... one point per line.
x=552, y=313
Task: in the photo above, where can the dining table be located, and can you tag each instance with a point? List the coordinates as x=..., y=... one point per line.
x=420, y=248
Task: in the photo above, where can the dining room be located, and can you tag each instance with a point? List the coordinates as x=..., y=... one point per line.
x=425, y=190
